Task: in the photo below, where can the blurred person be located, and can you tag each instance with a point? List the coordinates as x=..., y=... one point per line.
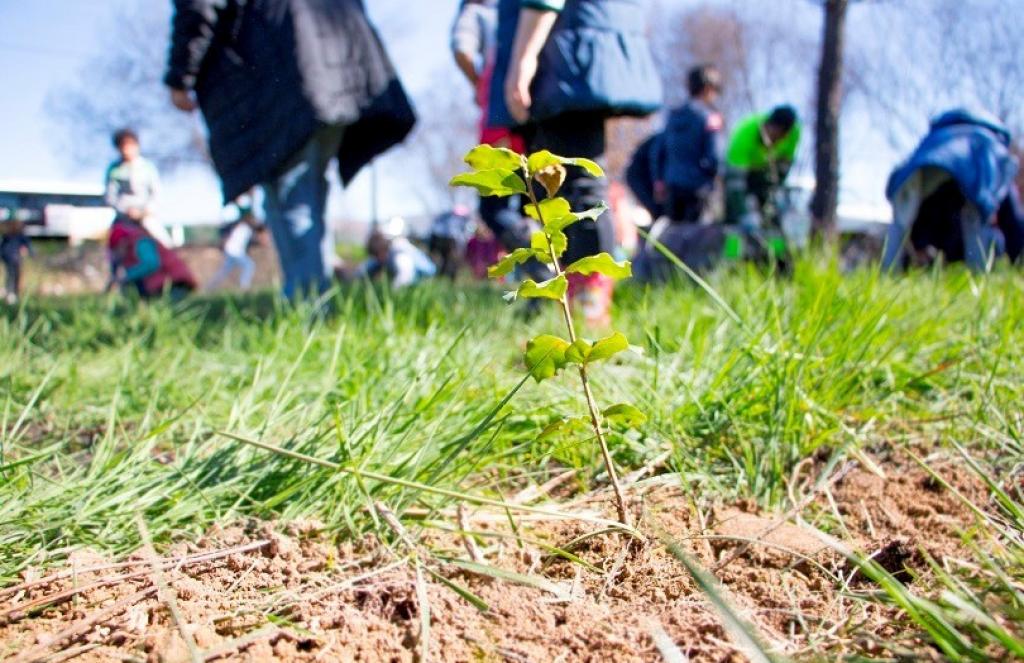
x=285, y=87
x=145, y=264
x=391, y=254
x=761, y=152
x=642, y=173
x=237, y=240
x=474, y=47
x=133, y=185
x=564, y=67
x=14, y=246
x=956, y=197
x=449, y=234
x=482, y=251
x=688, y=157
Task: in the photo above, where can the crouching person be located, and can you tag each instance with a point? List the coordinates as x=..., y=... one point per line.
x=955, y=196
x=393, y=255
x=761, y=153
x=146, y=265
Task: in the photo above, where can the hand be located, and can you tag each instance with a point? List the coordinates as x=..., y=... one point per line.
x=517, y=88
x=183, y=100
x=660, y=192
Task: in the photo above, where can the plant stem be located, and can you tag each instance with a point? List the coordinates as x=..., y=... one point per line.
x=595, y=416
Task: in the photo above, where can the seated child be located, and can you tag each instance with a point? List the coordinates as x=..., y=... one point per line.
x=391, y=253
x=146, y=264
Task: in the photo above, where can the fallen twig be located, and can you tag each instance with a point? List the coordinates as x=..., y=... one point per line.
x=81, y=627
x=165, y=593
x=186, y=560
x=531, y=493
x=467, y=539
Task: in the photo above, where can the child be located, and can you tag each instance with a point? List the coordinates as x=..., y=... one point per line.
x=393, y=254
x=14, y=244
x=482, y=251
x=235, y=245
x=133, y=184
x=449, y=234
x=146, y=264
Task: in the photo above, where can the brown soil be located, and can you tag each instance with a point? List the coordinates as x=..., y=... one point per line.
x=299, y=596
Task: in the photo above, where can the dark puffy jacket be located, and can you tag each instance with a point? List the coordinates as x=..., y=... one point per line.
x=691, y=153
x=642, y=173
x=597, y=59
x=268, y=73
x=972, y=147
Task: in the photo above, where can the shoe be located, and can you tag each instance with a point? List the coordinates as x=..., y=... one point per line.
x=593, y=294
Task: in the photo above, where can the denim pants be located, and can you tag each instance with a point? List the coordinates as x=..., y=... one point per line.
x=246, y=269
x=295, y=203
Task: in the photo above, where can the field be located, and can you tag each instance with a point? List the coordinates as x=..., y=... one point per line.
x=831, y=469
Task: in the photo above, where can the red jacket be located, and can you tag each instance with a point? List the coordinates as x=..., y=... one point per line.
x=125, y=237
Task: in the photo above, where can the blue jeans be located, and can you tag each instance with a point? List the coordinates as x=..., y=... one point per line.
x=295, y=202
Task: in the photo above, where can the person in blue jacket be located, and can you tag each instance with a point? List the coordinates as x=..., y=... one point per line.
x=956, y=196
x=689, y=157
x=563, y=68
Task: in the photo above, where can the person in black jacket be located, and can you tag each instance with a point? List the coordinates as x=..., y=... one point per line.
x=689, y=157
x=285, y=86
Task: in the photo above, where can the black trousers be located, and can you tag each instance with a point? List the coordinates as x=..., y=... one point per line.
x=578, y=135
x=687, y=205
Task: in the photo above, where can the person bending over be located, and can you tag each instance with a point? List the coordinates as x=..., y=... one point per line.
x=761, y=152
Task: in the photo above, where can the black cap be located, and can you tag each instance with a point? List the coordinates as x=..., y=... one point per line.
x=783, y=117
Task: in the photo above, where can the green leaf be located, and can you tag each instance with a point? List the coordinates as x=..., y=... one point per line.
x=579, y=351
x=545, y=356
x=602, y=263
x=624, y=415
x=557, y=214
x=496, y=182
x=549, y=209
x=551, y=289
x=565, y=426
x=608, y=347
x=594, y=213
x=487, y=157
x=505, y=266
x=539, y=242
x=538, y=161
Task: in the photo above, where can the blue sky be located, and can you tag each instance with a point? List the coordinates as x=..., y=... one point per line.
x=45, y=42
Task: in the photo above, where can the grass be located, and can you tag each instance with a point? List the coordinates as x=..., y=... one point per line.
x=108, y=410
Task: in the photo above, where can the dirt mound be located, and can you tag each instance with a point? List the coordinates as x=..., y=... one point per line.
x=259, y=591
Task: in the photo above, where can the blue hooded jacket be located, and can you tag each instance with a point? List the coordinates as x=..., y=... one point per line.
x=974, y=148
x=597, y=59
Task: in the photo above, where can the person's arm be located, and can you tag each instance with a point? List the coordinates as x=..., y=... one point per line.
x=467, y=42
x=152, y=191
x=192, y=32
x=787, y=151
x=112, y=196
x=536, y=20
x=659, y=162
x=148, y=260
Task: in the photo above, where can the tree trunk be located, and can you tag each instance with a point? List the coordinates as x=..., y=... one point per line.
x=830, y=95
